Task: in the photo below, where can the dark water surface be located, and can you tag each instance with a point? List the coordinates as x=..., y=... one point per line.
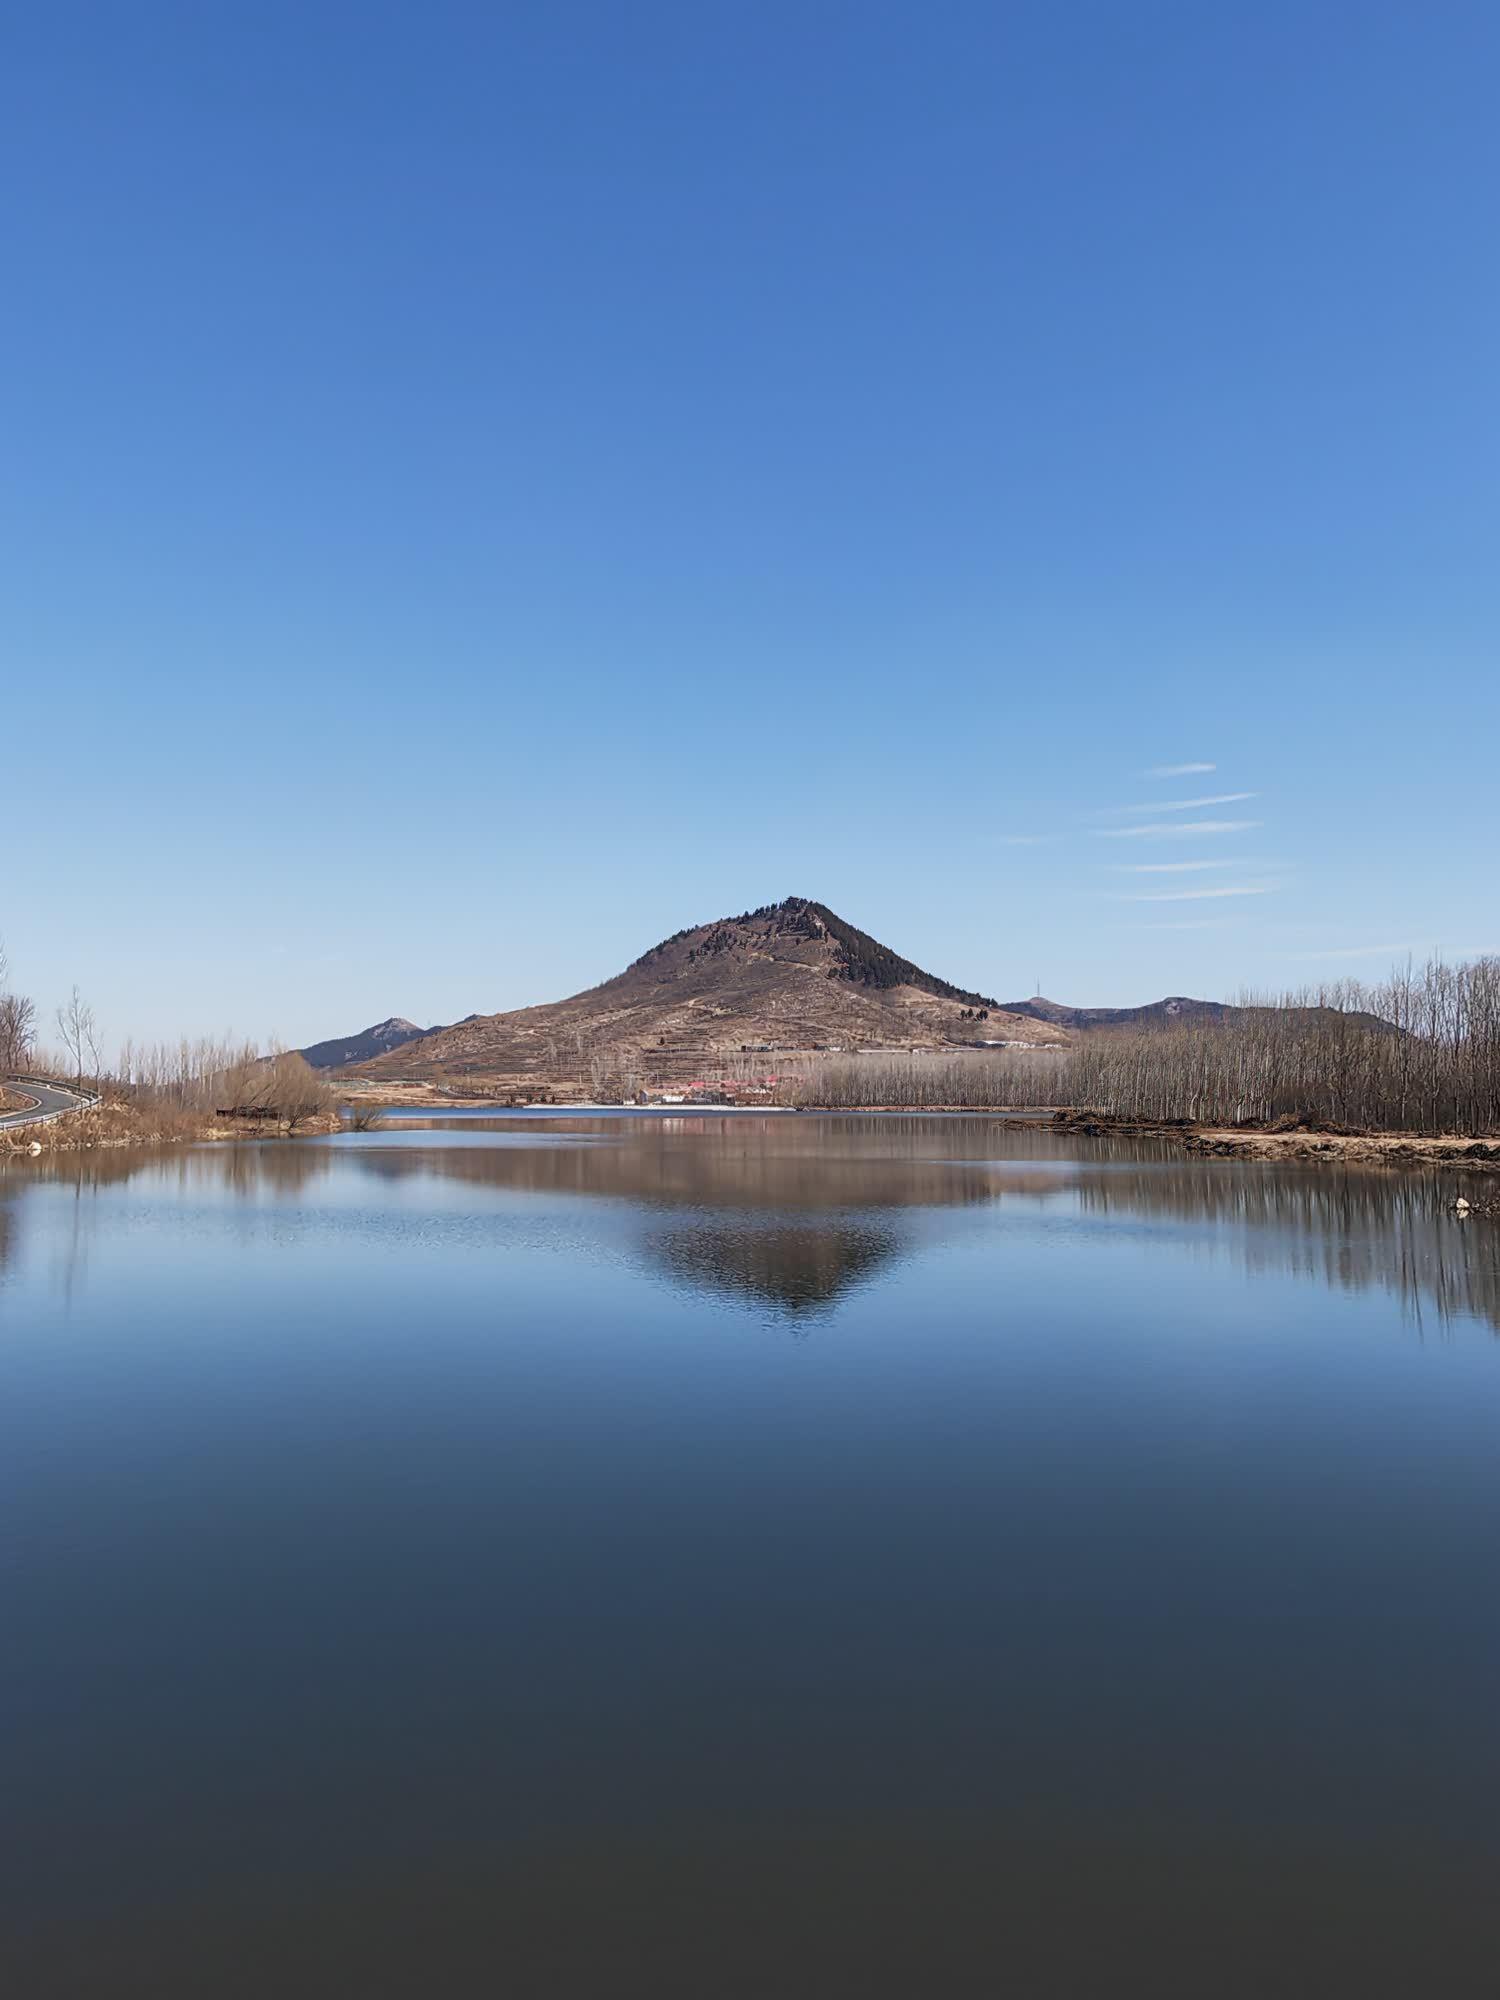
x=745, y=1556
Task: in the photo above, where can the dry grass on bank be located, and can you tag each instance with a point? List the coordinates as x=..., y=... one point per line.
x=1380, y=1149
x=119, y=1122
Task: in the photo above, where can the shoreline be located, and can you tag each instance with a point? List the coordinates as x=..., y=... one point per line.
x=1255, y=1142
x=1252, y=1141
x=113, y=1126
x=1469, y=1154
x=110, y=1127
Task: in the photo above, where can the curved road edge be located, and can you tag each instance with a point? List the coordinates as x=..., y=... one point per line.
x=48, y=1101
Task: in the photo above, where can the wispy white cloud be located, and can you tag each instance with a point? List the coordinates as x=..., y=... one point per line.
x=1169, y=867
x=1356, y=951
x=1176, y=829
x=1203, y=895
x=1182, y=805
x=1450, y=951
x=1192, y=924
x=1178, y=770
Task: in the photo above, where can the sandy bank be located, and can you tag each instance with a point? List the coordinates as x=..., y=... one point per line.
x=1248, y=1142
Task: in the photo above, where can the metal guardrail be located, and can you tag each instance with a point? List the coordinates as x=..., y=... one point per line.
x=83, y=1100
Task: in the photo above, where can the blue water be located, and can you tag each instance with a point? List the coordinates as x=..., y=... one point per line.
x=745, y=1555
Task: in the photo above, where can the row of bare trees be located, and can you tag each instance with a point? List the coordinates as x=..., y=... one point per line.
x=190, y=1074
x=1418, y=1052
x=213, y=1073
x=928, y=1080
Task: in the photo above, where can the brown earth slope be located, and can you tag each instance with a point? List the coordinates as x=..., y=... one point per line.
x=791, y=976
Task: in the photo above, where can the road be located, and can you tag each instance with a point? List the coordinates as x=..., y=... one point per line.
x=48, y=1100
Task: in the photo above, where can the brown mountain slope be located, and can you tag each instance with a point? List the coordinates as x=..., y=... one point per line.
x=789, y=976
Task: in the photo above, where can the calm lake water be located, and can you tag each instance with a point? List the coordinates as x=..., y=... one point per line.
x=745, y=1556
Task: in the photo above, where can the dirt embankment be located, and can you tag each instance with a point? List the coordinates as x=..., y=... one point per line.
x=1292, y=1141
x=115, y=1123
x=409, y=1096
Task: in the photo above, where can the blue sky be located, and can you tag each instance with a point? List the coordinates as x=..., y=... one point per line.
x=484, y=487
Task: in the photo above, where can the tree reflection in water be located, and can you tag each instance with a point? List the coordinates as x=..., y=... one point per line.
x=793, y=1212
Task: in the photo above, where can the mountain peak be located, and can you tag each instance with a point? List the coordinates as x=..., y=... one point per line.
x=342, y=1051
x=785, y=977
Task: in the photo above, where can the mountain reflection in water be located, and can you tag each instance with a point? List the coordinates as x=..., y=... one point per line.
x=744, y=1556
x=792, y=1212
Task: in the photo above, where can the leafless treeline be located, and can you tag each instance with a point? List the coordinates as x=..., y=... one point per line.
x=220, y=1074
x=926, y=1080
x=188, y=1076
x=1419, y=1052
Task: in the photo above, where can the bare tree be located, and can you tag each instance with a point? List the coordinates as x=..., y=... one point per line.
x=17, y=1031
x=91, y=1039
x=281, y=1086
x=296, y=1091
x=76, y=1025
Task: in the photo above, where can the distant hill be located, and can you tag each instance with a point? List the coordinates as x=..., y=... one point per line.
x=368, y=1043
x=789, y=976
x=1178, y=1011
x=1156, y=1013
